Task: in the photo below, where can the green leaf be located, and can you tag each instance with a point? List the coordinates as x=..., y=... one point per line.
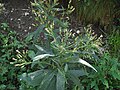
x=46, y=81
x=31, y=53
x=41, y=49
x=29, y=37
x=34, y=78
x=96, y=87
x=25, y=77
x=105, y=82
x=52, y=85
x=35, y=34
x=66, y=67
x=73, y=78
x=2, y=87
x=42, y=56
x=93, y=83
x=60, y=84
x=116, y=75
x=86, y=63
x=4, y=25
x=78, y=73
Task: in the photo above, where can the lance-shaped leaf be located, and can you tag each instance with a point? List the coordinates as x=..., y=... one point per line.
x=86, y=63
x=73, y=78
x=78, y=73
x=42, y=56
x=40, y=48
x=60, y=83
x=46, y=81
x=34, y=78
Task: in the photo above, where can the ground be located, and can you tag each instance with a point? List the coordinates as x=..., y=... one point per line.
x=18, y=15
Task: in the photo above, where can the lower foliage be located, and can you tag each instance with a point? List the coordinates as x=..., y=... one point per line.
x=107, y=77
x=8, y=71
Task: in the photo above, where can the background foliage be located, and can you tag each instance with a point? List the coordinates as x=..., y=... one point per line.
x=52, y=56
x=8, y=46
x=108, y=76
x=93, y=11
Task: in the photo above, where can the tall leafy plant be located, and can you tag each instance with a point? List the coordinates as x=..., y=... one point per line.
x=60, y=54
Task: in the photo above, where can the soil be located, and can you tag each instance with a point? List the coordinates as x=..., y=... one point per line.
x=18, y=15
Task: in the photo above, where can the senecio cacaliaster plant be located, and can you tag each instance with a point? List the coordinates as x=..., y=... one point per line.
x=60, y=56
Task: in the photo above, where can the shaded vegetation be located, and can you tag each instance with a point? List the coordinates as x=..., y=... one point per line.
x=56, y=58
